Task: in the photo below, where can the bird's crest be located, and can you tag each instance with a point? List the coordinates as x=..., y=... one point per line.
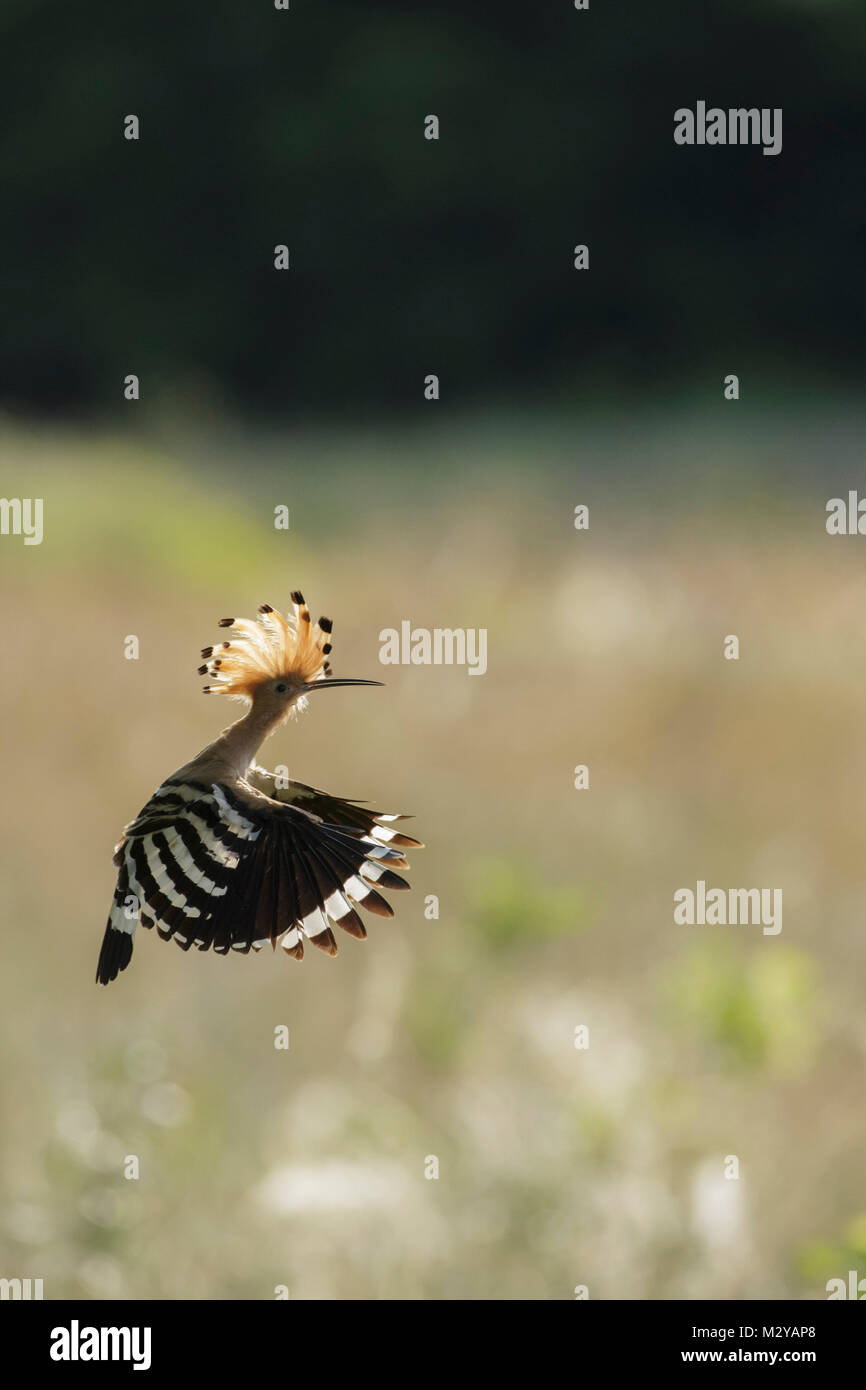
x=274, y=647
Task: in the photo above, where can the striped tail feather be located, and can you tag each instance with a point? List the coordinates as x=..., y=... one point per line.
x=116, y=951
x=115, y=955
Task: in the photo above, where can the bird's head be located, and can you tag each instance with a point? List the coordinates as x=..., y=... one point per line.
x=274, y=662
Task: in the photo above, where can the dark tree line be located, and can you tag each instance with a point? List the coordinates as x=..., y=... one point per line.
x=411, y=256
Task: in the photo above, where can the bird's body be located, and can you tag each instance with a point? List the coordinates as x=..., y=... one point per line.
x=226, y=854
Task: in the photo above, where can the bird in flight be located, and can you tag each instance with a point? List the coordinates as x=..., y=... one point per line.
x=228, y=855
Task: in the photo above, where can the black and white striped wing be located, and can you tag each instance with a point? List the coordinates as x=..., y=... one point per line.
x=336, y=810
x=208, y=868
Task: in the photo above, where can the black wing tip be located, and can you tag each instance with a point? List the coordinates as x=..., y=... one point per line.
x=115, y=955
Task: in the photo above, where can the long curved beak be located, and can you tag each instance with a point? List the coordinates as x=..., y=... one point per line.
x=336, y=680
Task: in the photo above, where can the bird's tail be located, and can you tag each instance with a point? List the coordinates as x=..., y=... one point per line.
x=115, y=955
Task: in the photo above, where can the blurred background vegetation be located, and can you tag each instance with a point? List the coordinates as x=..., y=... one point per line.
x=452, y=1037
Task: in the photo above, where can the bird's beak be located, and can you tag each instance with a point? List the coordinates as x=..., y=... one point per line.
x=334, y=680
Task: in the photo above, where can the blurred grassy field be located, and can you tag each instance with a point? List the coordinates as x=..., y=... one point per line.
x=454, y=1037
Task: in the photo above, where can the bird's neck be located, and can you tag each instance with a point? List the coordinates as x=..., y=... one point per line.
x=236, y=747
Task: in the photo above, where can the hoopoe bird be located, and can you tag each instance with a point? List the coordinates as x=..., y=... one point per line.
x=224, y=854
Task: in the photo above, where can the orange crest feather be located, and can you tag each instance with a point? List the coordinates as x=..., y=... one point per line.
x=274, y=647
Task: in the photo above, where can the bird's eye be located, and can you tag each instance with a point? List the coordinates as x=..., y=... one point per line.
x=281, y=688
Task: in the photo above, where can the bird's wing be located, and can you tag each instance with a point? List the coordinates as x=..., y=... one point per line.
x=223, y=865
x=351, y=815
